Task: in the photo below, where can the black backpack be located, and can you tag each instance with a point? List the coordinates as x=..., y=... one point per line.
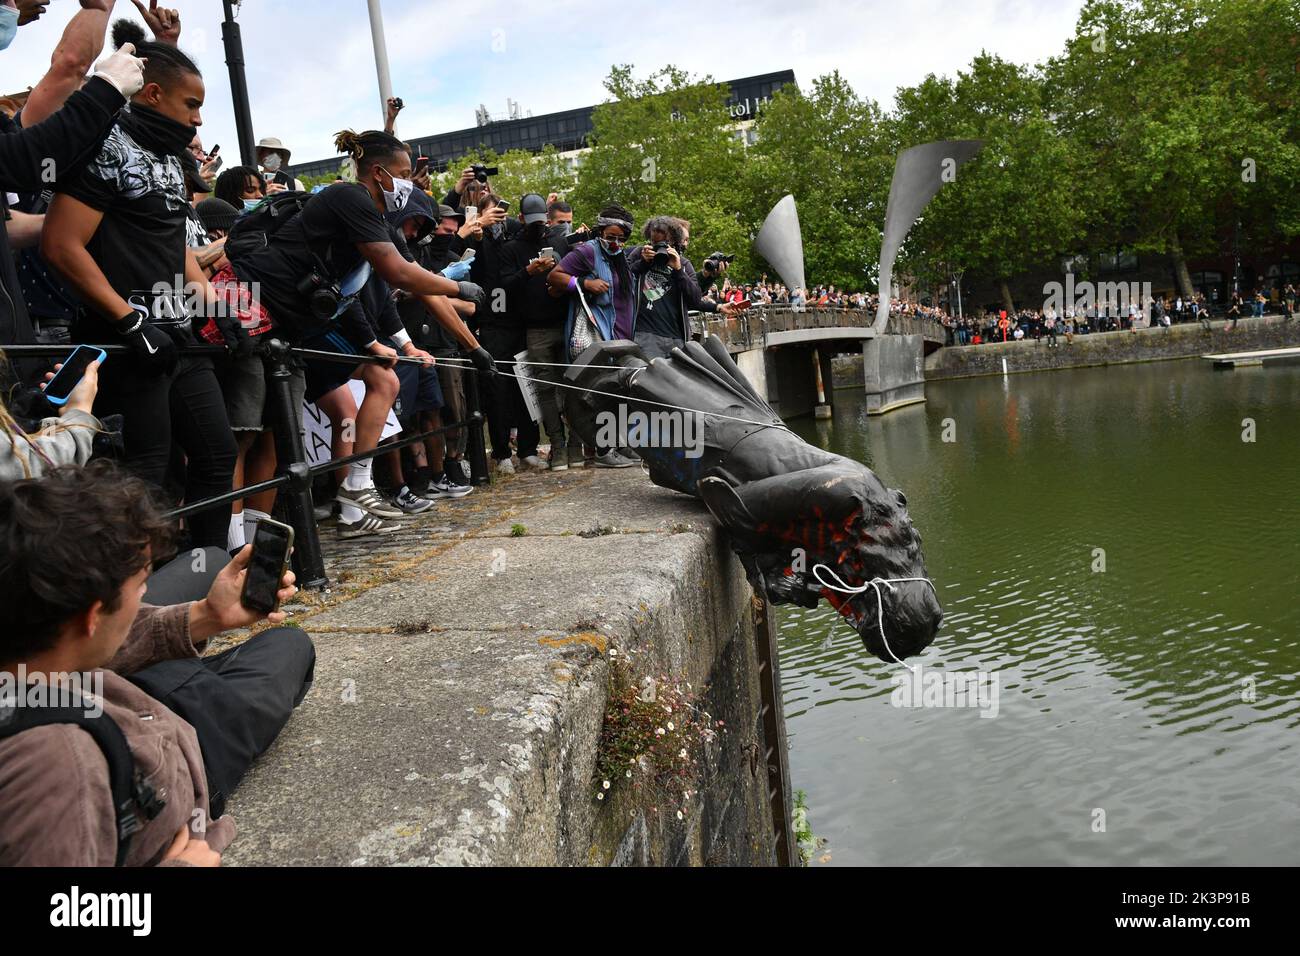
x=129, y=789
x=252, y=231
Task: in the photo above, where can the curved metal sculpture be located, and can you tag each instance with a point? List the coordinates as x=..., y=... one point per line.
x=781, y=243
x=789, y=508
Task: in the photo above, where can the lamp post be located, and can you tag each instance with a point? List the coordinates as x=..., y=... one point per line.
x=238, y=83
x=381, y=58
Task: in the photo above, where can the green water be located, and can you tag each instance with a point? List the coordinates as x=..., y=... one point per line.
x=1123, y=690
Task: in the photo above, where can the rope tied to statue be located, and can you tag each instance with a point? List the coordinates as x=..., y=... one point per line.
x=874, y=584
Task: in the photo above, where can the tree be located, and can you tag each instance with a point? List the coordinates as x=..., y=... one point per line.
x=663, y=146
x=1012, y=207
x=1184, y=113
x=830, y=151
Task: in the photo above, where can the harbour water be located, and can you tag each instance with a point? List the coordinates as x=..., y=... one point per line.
x=1120, y=548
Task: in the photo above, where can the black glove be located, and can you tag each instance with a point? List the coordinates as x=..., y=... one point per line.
x=238, y=341
x=472, y=292
x=484, y=362
x=153, y=349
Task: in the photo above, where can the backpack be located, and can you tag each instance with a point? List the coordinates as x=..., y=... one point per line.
x=129, y=789
x=252, y=231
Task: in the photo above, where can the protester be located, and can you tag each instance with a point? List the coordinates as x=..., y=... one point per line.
x=273, y=159
x=598, y=280
x=117, y=232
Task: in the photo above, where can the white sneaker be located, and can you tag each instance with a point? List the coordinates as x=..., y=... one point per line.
x=505, y=467
x=532, y=463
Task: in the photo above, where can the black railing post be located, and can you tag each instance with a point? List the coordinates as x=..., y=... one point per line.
x=475, y=447
x=291, y=461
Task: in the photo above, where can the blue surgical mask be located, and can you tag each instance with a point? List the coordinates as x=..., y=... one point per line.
x=250, y=203
x=8, y=26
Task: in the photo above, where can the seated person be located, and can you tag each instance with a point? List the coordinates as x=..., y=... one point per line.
x=77, y=546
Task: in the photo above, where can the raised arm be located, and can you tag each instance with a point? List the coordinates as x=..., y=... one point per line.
x=81, y=43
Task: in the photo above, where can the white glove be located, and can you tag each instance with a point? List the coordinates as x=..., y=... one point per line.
x=123, y=69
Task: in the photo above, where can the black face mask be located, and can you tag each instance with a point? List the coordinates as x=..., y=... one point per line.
x=153, y=131
x=439, y=243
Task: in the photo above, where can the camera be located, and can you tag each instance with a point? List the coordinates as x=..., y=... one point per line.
x=716, y=259
x=322, y=295
x=661, y=253
x=481, y=172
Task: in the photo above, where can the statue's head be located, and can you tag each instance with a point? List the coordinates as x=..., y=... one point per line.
x=806, y=533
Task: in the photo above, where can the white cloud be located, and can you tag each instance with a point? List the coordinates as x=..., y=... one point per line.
x=311, y=68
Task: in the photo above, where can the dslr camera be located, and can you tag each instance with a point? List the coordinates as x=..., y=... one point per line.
x=715, y=260
x=661, y=253
x=322, y=293
x=481, y=172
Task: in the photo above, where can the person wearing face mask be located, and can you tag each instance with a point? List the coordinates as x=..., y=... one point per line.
x=273, y=158
x=600, y=269
x=241, y=186
x=538, y=313
x=341, y=235
x=445, y=475
x=117, y=234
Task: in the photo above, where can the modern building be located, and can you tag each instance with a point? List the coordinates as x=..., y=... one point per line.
x=567, y=131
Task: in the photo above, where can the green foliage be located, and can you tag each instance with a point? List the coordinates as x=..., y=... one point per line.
x=661, y=146
x=519, y=172
x=828, y=149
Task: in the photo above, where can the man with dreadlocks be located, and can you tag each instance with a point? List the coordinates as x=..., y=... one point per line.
x=339, y=238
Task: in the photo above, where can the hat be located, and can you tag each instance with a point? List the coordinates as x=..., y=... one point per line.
x=533, y=208
x=216, y=214
x=446, y=212
x=271, y=143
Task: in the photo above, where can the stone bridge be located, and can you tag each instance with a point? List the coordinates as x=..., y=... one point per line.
x=786, y=353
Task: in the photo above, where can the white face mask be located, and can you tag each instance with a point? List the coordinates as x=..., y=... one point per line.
x=395, y=198
x=273, y=162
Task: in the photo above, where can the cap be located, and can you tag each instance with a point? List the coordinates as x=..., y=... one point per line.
x=446, y=212
x=533, y=208
x=216, y=214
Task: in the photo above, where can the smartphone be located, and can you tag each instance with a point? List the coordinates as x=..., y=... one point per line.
x=212, y=154
x=59, y=389
x=471, y=213
x=216, y=162
x=421, y=163
x=548, y=253
x=272, y=542
x=505, y=205
x=467, y=254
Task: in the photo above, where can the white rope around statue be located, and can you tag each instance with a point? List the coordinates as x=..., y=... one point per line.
x=875, y=584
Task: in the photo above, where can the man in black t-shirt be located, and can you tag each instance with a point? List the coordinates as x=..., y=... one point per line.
x=117, y=234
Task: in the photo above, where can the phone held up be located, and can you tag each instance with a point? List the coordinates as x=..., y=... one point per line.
x=59, y=389
x=272, y=542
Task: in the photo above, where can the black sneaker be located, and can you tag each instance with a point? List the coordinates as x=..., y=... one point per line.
x=457, y=472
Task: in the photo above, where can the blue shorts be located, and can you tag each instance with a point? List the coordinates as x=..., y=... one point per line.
x=419, y=389
x=324, y=376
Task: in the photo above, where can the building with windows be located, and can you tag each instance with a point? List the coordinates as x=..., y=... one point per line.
x=567, y=131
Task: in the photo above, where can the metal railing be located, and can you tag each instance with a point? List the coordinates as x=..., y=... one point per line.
x=293, y=475
x=750, y=328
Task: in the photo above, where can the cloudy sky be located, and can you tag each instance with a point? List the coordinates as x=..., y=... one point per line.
x=311, y=64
